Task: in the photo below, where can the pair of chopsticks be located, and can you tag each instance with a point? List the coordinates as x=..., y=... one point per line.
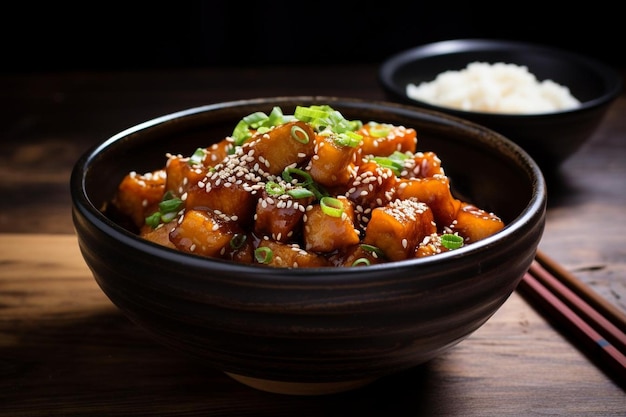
x=595, y=325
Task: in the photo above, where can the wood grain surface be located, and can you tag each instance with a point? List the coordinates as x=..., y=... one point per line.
x=65, y=350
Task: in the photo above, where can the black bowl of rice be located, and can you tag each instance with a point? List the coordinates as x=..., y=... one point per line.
x=547, y=100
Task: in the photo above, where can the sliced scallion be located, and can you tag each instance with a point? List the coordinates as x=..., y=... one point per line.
x=168, y=217
x=154, y=219
x=290, y=174
x=299, y=134
x=348, y=138
x=170, y=206
x=273, y=188
x=361, y=261
x=197, y=157
x=451, y=241
x=310, y=114
x=241, y=133
x=300, y=193
x=331, y=206
x=379, y=130
x=254, y=120
x=372, y=249
x=263, y=255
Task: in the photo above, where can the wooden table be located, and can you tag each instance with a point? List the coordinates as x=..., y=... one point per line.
x=65, y=350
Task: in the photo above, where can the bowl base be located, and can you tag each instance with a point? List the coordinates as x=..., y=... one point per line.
x=300, y=388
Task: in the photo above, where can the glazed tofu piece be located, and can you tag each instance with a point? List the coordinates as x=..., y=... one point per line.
x=358, y=255
x=280, y=216
x=329, y=226
x=159, y=234
x=373, y=186
x=397, y=228
x=222, y=191
x=181, y=174
x=333, y=163
x=435, y=192
x=286, y=145
x=474, y=224
x=381, y=139
x=279, y=254
x=138, y=195
x=422, y=165
x=218, y=151
x=204, y=232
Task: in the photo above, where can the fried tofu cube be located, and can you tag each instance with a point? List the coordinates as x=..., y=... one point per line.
x=358, y=255
x=204, y=232
x=159, y=234
x=474, y=224
x=325, y=232
x=373, y=186
x=138, y=195
x=218, y=151
x=397, y=228
x=282, y=146
x=435, y=192
x=222, y=192
x=280, y=217
x=383, y=139
x=180, y=174
x=289, y=255
x=333, y=163
x=422, y=165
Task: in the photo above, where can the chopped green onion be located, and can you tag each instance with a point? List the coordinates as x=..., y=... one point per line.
x=372, y=249
x=331, y=206
x=387, y=162
x=300, y=193
x=168, y=217
x=276, y=116
x=289, y=173
x=299, y=134
x=263, y=254
x=348, y=138
x=241, y=133
x=197, y=157
x=254, y=120
x=317, y=190
x=361, y=261
x=274, y=188
x=450, y=241
x=325, y=117
x=170, y=206
x=379, y=130
x=154, y=219
x=309, y=114
x=394, y=162
x=238, y=240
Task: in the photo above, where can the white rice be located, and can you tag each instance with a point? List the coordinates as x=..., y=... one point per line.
x=494, y=88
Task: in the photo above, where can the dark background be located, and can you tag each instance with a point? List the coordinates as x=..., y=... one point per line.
x=128, y=36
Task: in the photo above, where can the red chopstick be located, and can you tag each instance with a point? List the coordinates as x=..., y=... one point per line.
x=601, y=304
x=587, y=323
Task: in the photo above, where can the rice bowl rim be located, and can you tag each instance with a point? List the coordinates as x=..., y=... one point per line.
x=390, y=67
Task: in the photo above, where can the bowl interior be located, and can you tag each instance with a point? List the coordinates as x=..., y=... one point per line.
x=483, y=166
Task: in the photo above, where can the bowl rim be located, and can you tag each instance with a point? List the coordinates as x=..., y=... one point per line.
x=81, y=202
x=392, y=64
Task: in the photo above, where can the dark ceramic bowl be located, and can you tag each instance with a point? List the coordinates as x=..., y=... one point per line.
x=312, y=330
x=550, y=138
